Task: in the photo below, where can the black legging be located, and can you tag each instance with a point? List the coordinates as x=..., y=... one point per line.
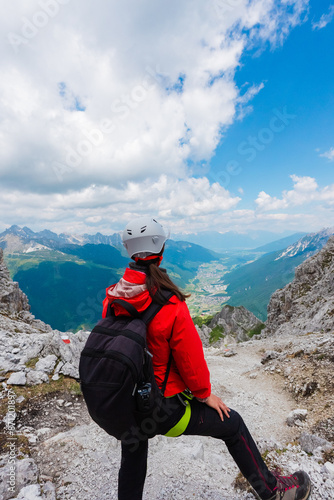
x=204, y=421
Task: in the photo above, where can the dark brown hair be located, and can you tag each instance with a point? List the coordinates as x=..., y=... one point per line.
x=156, y=279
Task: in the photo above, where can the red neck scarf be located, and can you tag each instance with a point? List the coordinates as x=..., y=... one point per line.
x=157, y=258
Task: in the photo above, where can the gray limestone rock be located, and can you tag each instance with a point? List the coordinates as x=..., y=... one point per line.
x=228, y=353
x=35, y=377
x=295, y=416
x=12, y=299
x=235, y=324
x=329, y=468
x=310, y=442
x=17, y=378
x=31, y=492
x=236, y=321
x=204, y=333
x=26, y=474
x=197, y=451
x=70, y=370
x=49, y=491
x=268, y=356
x=306, y=304
x=69, y=354
x=46, y=364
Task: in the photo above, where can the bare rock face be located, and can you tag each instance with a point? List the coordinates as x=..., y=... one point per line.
x=231, y=324
x=237, y=322
x=29, y=348
x=204, y=332
x=306, y=305
x=12, y=300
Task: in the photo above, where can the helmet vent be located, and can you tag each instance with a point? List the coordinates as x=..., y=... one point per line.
x=143, y=229
x=129, y=232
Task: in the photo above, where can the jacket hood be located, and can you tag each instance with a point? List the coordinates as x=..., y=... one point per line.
x=132, y=288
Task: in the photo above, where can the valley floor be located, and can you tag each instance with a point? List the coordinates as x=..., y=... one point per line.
x=208, y=294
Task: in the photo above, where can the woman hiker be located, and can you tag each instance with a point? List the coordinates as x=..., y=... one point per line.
x=198, y=411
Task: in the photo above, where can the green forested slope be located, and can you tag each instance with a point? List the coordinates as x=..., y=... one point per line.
x=66, y=295
x=252, y=285
x=104, y=255
x=65, y=288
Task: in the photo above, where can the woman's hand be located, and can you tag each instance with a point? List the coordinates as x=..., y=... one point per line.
x=217, y=404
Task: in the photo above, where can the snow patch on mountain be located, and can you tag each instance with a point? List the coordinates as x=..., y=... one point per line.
x=307, y=303
x=312, y=242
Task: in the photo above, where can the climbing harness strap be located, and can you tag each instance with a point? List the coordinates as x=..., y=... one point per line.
x=182, y=424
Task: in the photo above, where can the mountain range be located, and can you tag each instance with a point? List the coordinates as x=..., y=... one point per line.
x=231, y=240
x=24, y=239
x=262, y=241
x=65, y=276
x=252, y=285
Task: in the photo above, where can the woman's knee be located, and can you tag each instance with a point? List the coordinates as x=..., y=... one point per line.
x=235, y=421
x=235, y=416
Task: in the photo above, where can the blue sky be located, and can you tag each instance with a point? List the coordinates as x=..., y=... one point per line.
x=208, y=116
x=298, y=75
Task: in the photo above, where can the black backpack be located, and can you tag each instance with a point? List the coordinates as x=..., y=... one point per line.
x=116, y=372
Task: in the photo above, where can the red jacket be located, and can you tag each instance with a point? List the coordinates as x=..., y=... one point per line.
x=171, y=329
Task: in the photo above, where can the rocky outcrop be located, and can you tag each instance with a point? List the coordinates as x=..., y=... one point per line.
x=36, y=355
x=231, y=324
x=306, y=364
x=31, y=352
x=307, y=303
x=12, y=300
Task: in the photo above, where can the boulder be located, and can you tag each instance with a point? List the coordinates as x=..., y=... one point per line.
x=46, y=364
x=35, y=377
x=268, y=356
x=17, y=378
x=32, y=492
x=329, y=468
x=26, y=474
x=296, y=416
x=310, y=442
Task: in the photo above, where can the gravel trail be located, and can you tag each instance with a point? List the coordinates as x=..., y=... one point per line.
x=83, y=462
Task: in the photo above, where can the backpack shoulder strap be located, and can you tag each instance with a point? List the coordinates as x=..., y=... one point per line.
x=164, y=384
x=147, y=316
x=128, y=307
x=154, y=308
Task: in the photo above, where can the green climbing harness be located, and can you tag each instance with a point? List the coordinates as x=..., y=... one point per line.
x=182, y=424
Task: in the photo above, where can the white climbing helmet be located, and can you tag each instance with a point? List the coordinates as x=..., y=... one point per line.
x=144, y=236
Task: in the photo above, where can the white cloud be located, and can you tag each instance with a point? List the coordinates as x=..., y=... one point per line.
x=305, y=191
x=131, y=91
x=188, y=205
x=276, y=27
x=324, y=19
x=328, y=154
x=168, y=198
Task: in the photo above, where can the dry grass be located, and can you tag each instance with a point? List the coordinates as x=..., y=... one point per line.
x=63, y=384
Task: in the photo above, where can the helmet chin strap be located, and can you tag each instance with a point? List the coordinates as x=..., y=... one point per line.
x=157, y=258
